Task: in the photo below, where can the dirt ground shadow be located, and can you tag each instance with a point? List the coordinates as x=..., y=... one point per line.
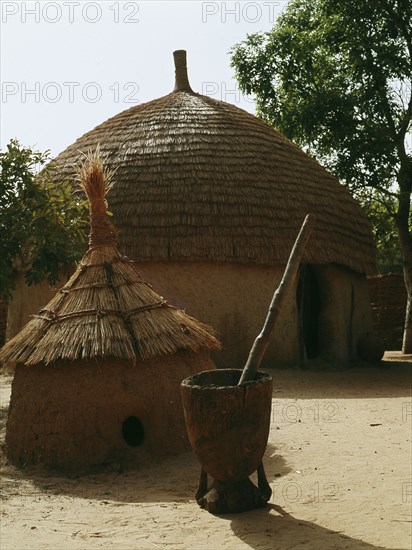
x=173, y=479
x=386, y=379
x=274, y=528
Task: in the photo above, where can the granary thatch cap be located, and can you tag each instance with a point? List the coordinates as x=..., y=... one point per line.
x=106, y=310
x=199, y=179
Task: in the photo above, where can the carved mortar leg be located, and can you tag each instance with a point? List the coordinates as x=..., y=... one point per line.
x=202, y=488
x=226, y=497
x=265, y=488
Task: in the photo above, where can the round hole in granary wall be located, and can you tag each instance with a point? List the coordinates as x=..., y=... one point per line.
x=133, y=431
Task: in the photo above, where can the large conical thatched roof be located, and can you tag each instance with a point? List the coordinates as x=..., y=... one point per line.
x=200, y=179
x=106, y=310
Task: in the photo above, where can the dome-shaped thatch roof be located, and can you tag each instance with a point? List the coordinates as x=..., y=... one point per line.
x=106, y=310
x=200, y=179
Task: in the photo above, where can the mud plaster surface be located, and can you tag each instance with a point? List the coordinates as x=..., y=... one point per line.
x=234, y=299
x=341, y=479
x=70, y=416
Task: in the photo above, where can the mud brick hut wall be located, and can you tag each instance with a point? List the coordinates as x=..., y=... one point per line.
x=388, y=299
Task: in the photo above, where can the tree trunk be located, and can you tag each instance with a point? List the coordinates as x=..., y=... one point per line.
x=407, y=275
x=405, y=240
x=407, y=331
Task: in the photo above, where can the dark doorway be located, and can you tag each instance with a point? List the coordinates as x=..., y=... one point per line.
x=133, y=431
x=309, y=307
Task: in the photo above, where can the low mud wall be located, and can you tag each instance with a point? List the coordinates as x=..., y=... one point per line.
x=388, y=299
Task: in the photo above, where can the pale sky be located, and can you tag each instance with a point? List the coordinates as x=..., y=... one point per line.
x=67, y=66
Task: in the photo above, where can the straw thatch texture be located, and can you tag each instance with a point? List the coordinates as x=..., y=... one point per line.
x=199, y=179
x=105, y=310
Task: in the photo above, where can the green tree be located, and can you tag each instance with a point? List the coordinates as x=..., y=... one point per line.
x=42, y=225
x=335, y=77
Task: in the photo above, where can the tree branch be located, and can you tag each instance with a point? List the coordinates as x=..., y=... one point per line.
x=402, y=24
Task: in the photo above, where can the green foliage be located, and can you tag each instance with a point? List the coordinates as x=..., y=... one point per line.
x=389, y=256
x=42, y=224
x=335, y=77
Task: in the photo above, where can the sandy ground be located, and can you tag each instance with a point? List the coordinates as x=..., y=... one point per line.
x=338, y=460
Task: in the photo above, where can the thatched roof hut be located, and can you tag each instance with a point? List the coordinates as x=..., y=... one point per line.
x=201, y=180
x=99, y=368
x=208, y=195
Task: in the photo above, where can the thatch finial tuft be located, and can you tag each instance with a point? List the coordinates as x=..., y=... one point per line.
x=182, y=80
x=95, y=179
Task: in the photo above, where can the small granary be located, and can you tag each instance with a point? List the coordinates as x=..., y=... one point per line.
x=98, y=369
x=209, y=196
